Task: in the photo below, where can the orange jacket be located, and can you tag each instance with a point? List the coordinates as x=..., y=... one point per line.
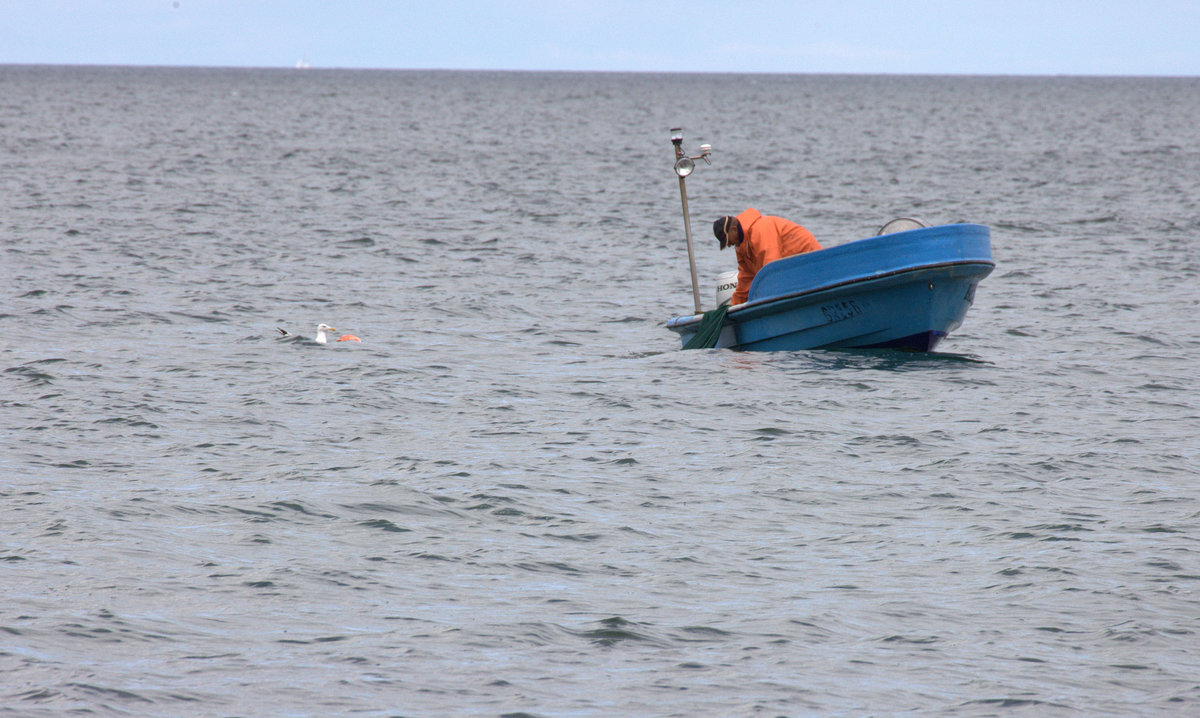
x=766, y=239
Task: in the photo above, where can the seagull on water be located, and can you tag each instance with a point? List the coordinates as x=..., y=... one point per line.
x=320, y=338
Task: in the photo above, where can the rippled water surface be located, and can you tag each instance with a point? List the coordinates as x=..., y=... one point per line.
x=517, y=496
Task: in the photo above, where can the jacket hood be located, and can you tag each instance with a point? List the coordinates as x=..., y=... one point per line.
x=748, y=218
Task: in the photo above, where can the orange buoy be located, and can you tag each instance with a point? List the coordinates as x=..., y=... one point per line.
x=349, y=338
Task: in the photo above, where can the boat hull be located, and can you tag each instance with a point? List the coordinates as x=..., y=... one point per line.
x=906, y=290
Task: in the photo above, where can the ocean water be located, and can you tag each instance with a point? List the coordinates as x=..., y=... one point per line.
x=517, y=496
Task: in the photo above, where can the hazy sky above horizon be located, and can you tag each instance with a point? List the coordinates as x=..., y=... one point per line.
x=1007, y=37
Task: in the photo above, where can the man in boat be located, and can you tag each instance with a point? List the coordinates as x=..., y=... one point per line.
x=759, y=240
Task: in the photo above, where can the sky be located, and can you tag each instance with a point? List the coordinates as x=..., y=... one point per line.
x=991, y=37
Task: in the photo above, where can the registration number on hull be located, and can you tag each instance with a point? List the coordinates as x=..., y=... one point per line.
x=841, y=311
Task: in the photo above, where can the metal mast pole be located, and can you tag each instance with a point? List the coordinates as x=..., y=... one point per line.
x=677, y=140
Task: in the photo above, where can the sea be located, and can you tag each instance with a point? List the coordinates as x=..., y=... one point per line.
x=517, y=496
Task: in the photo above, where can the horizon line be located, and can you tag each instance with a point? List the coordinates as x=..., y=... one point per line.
x=304, y=66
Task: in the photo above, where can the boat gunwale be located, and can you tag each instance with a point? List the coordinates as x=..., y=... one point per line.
x=682, y=322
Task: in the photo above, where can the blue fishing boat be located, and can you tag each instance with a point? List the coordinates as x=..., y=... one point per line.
x=905, y=288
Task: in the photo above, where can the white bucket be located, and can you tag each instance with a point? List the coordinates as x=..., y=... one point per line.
x=726, y=284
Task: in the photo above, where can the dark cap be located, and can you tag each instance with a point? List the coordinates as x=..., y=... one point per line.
x=728, y=231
